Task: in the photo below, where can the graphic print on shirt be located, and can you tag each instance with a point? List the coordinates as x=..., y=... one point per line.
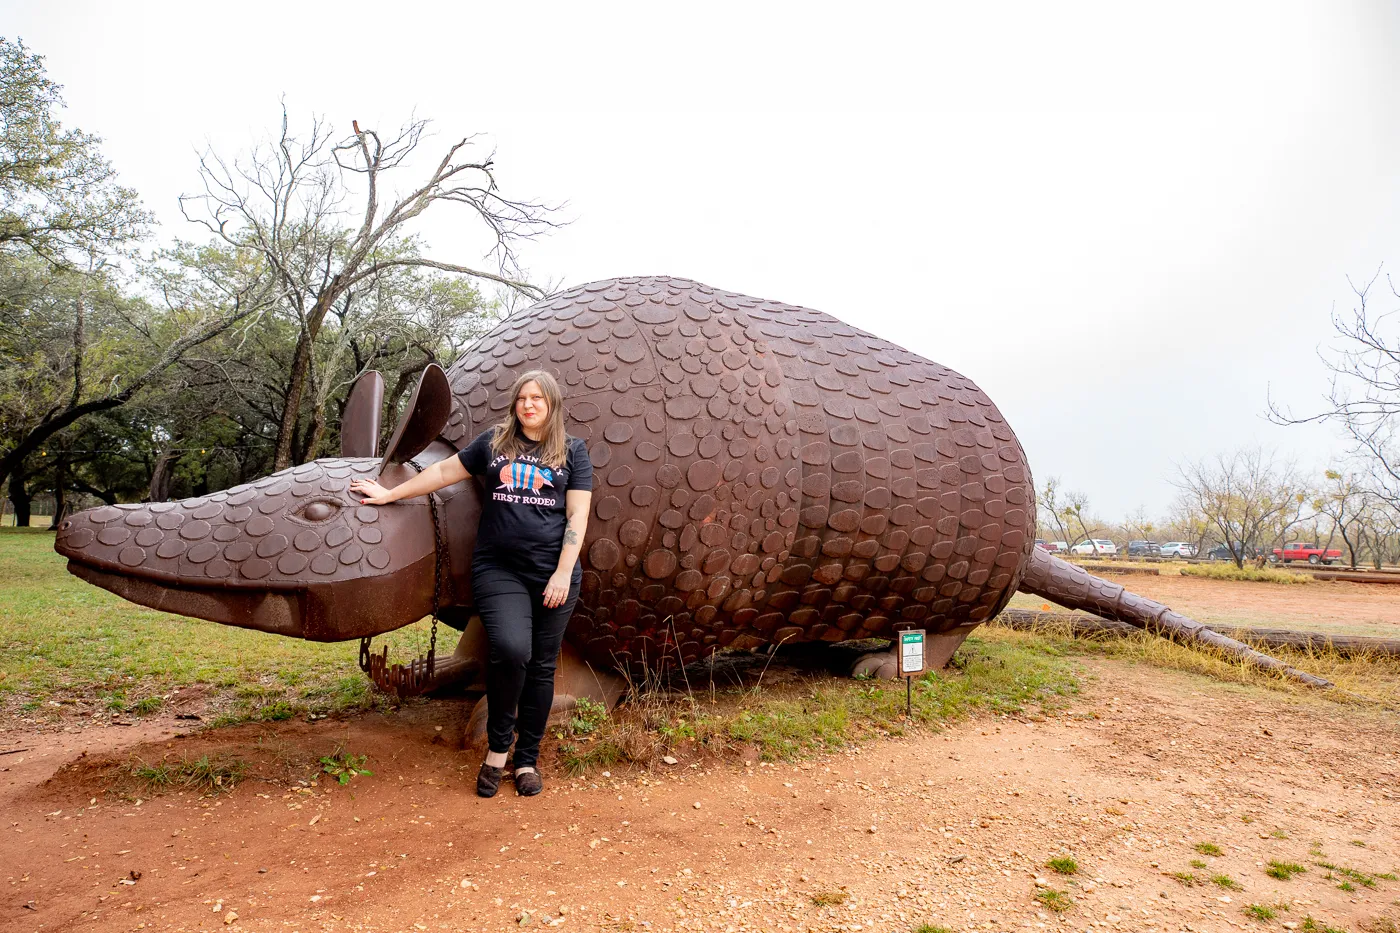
x=523, y=482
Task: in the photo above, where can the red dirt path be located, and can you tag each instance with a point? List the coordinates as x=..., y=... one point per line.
x=951, y=828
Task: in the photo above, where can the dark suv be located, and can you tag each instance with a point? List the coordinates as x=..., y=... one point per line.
x=1143, y=549
x=1223, y=552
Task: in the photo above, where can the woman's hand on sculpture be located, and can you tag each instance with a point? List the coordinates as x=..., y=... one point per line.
x=557, y=589
x=377, y=494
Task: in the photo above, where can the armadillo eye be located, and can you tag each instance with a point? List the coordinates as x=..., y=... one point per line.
x=318, y=511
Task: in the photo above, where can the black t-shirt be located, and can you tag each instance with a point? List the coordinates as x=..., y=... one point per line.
x=523, y=516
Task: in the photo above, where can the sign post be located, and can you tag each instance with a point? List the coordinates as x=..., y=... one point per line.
x=911, y=662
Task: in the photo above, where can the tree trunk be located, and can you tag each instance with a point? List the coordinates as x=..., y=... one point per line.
x=60, y=489
x=301, y=365
x=314, y=435
x=19, y=497
x=162, y=473
x=291, y=403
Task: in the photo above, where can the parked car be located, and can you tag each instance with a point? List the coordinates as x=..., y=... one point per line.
x=1178, y=549
x=1054, y=547
x=1144, y=549
x=1223, y=552
x=1309, y=552
x=1100, y=547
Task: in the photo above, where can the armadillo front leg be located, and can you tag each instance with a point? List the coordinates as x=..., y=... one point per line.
x=461, y=669
x=1074, y=588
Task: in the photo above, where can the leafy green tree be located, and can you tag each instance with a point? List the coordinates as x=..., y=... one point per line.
x=76, y=343
x=59, y=198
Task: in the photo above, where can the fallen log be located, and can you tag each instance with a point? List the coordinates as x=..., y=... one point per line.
x=1081, y=625
x=1354, y=576
x=1112, y=568
x=1071, y=585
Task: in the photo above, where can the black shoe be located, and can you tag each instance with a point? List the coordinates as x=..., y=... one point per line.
x=488, y=780
x=528, y=783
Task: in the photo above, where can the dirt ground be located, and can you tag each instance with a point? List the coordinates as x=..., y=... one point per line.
x=951, y=828
x=1323, y=606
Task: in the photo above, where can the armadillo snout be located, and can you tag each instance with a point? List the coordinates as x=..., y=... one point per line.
x=298, y=529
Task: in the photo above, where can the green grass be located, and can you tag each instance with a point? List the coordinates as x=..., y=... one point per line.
x=1057, y=901
x=203, y=774
x=829, y=898
x=343, y=766
x=65, y=640
x=1351, y=874
x=1185, y=878
x=1225, y=881
x=819, y=714
x=1283, y=871
x=1260, y=912
x=1316, y=926
x=931, y=928
x=146, y=706
x=1198, y=863
x=1064, y=865
x=1208, y=848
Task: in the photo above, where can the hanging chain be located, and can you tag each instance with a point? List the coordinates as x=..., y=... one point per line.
x=413, y=677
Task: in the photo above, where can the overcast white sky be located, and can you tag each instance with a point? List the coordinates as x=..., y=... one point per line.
x=1123, y=223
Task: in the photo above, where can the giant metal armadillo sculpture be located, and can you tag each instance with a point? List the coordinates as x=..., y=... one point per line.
x=763, y=474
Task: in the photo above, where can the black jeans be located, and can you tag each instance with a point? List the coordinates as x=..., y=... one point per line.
x=524, y=638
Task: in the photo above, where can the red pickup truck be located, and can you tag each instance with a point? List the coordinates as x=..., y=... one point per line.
x=1308, y=552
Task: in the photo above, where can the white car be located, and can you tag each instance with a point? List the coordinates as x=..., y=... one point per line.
x=1098, y=546
x=1178, y=549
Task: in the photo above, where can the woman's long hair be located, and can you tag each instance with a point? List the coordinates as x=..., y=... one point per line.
x=506, y=440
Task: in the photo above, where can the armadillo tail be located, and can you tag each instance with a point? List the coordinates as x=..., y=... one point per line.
x=1074, y=588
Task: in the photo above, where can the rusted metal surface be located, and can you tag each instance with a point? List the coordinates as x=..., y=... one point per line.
x=764, y=473
x=359, y=426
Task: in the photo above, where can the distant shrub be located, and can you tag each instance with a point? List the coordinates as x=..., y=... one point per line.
x=1229, y=571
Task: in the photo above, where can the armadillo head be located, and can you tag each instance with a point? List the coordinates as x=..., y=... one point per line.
x=294, y=553
x=297, y=553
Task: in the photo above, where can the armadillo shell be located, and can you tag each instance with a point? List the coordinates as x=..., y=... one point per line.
x=763, y=472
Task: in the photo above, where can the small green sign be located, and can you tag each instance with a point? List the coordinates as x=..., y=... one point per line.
x=911, y=652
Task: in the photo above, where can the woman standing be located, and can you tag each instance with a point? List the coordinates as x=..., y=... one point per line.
x=525, y=571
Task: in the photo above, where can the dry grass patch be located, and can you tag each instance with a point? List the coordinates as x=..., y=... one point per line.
x=829, y=898
x=204, y=775
x=1229, y=571
x=1361, y=680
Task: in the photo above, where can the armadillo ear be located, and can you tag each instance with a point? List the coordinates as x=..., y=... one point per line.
x=359, y=428
x=428, y=410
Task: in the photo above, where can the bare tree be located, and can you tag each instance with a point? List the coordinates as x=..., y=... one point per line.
x=287, y=205
x=1345, y=501
x=1363, y=395
x=1065, y=509
x=1245, y=496
x=1139, y=525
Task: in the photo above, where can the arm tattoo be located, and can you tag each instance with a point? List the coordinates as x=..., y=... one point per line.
x=570, y=536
